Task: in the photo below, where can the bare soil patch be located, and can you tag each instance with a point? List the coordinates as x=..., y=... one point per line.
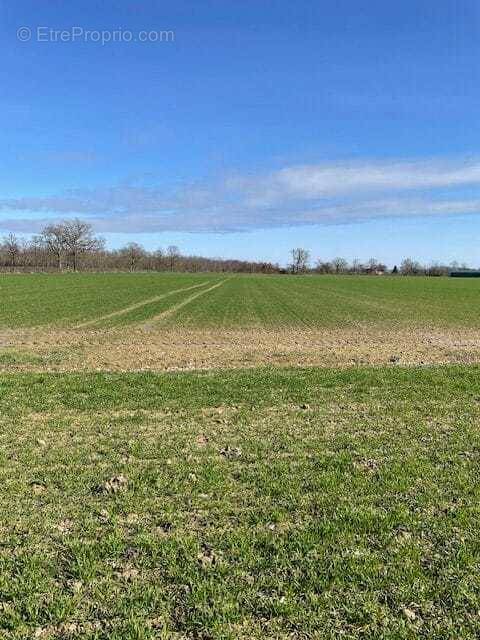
x=158, y=348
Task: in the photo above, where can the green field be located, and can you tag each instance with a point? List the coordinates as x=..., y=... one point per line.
x=240, y=301
x=67, y=299
x=266, y=503
x=262, y=504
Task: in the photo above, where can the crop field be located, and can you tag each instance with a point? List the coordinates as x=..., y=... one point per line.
x=141, y=321
x=68, y=299
x=209, y=457
x=252, y=504
x=239, y=301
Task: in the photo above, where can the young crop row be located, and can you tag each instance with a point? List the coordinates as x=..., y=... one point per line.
x=241, y=301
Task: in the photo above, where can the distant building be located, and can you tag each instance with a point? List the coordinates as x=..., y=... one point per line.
x=465, y=274
x=375, y=272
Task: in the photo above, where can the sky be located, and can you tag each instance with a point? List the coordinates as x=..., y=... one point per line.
x=243, y=129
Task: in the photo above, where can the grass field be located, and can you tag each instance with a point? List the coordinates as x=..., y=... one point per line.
x=262, y=504
x=240, y=301
x=278, y=501
x=68, y=299
x=141, y=321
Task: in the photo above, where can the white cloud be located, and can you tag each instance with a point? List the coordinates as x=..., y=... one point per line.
x=313, y=194
x=318, y=181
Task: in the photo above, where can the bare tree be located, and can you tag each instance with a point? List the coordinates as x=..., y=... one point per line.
x=134, y=253
x=158, y=259
x=340, y=265
x=79, y=238
x=410, y=267
x=36, y=252
x=300, y=260
x=356, y=266
x=436, y=269
x=173, y=253
x=323, y=266
x=61, y=244
x=53, y=238
x=12, y=247
x=70, y=238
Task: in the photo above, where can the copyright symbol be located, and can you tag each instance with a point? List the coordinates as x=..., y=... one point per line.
x=24, y=34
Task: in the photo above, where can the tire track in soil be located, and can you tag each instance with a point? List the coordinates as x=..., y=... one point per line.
x=137, y=305
x=169, y=312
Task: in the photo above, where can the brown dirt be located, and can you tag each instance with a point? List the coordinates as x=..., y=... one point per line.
x=156, y=348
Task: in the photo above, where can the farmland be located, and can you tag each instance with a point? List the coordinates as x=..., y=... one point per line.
x=125, y=322
x=214, y=456
x=250, y=504
x=240, y=301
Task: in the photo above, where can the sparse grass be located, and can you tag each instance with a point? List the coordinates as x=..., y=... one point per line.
x=247, y=504
x=11, y=357
x=242, y=301
x=18, y=358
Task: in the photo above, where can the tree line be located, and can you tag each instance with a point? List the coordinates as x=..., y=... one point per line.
x=301, y=263
x=72, y=245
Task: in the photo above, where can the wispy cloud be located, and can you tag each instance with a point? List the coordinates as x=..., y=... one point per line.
x=296, y=195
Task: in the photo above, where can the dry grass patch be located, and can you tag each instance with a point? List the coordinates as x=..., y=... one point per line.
x=165, y=349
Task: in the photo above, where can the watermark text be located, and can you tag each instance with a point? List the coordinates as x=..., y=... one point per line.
x=95, y=36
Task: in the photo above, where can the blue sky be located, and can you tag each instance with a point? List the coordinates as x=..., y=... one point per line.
x=350, y=128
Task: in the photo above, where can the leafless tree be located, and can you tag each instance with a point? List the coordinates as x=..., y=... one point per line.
x=300, y=260
x=73, y=244
x=53, y=238
x=70, y=238
x=173, y=253
x=35, y=252
x=12, y=247
x=158, y=259
x=340, y=265
x=134, y=254
x=356, y=266
x=79, y=239
x=323, y=266
x=436, y=269
x=411, y=267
